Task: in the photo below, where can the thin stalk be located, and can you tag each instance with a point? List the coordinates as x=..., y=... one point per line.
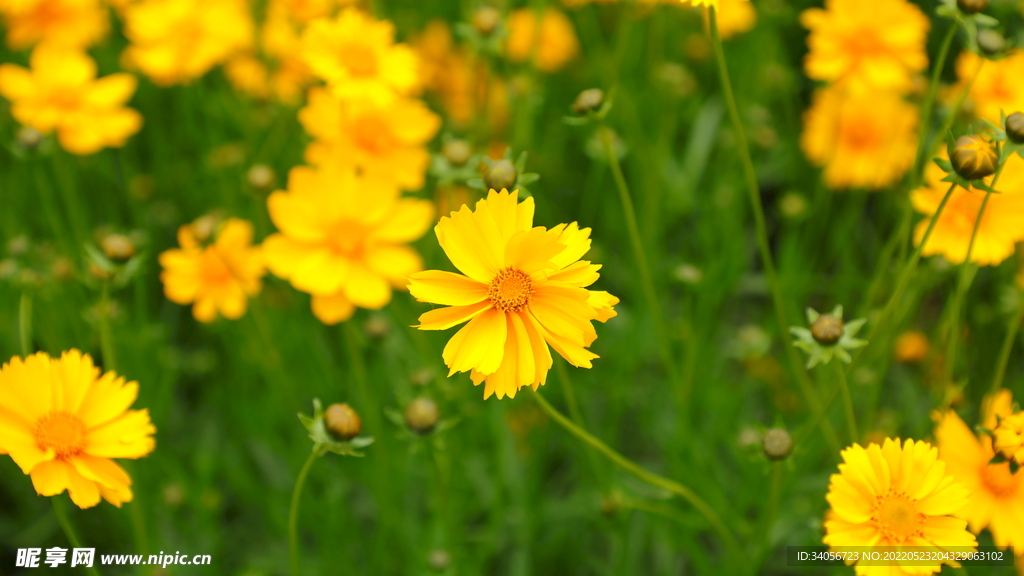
x=1011, y=338
x=355, y=356
x=570, y=394
x=651, y=478
x=107, y=347
x=69, y=531
x=646, y=281
x=929, y=101
x=774, y=495
x=754, y=194
x=25, y=323
x=293, y=511
x=851, y=416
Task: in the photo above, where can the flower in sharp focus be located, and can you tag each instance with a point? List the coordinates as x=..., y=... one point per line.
x=177, y=41
x=70, y=23
x=863, y=140
x=896, y=495
x=1000, y=228
x=828, y=337
x=866, y=44
x=343, y=238
x=522, y=288
x=215, y=279
x=974, y=157
x=62, y=422
x=997, y=494
x=550, y=50
x=357, y=56
x=1008, y=437
x=386, y=140
x=60, y=93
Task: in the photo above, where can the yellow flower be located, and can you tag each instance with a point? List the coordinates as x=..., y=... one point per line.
x=734, y=17
x=1000, y=228
x=71, y=23
x=998, y=86
x=61, y=93
x=866, y=43
x=863, y=140
x=218, y=278
x=343, y=238
x=357, y=56
x=62, y=423
x=386, y=139
x=912, y=346
x=177, y=41
x=279, y=38
x=1008, y=438
x=893, y=495
x=248, y=74
x=524, y=289
x=997, y=496
x=550, y=50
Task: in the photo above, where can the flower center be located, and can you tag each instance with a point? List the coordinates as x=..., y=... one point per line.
x=998, y=480
x=348, y=238
x=372, y=133
x=62, y=432
x=897, y=517
x=511, y=289
x=213, y=269
x=861, y=136
x=359, y=59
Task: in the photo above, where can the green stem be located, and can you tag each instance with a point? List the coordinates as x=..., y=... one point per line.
x=69, y=531
x=651, y=478
x=754, y=193
x=1011, y=338
x=774, y=495
x=107, y=347
x=293, y=510
x=355, y=356
x=25, y=323
x=570, y=394
x=929, y=103
x=851, y=416
x=646, y=281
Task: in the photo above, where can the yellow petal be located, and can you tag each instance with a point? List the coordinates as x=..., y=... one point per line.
x=333, y=308
x=127, y=436
x=409, y=220
x=479, y=345
x=102, y=470
x=394, y=263
x=438, y=287
x=445, y=318
x=366, y=288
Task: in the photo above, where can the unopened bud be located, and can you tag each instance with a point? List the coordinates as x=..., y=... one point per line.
x=261, y=177
x=29, y=137
x=827, y=329
x=501, y=175
x=991, y=42
x=439, y=559
x=421, y=415
x=972, y=6
x=974, y=158
x=1015, y=127
x=588, y=101
x=342, y=421
x=777, y=444
x=117, y=247
x=485, y=20
x=457, y=151
x=376, y=327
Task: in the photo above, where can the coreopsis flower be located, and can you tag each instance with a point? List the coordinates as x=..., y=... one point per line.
x=249, y=75
x=1000, y=228
x=343, y=238
x=734, y=17
x=866, y=44
x=71, y=23
x=912, y=346
x=383, y=138
x=551, y=49
x=63, y=422
x=863, y=140
x=997, y=494
x=998, y=86
x=177, y=41
x=896, y=495
x=217, y=278
x=280, y=41
x=60, y=93
x=522, y=288
x=357, y=56
x=1008, y=437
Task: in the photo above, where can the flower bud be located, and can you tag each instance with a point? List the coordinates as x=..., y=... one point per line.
x=485, y=20
x=342, y=421
x=117, y=247
x=1008, y=437
x=972, y=6
x=439, y=559
x=777, y=444
x=500, y=175
x=421, y=415
x=376, y=327
x=588, y=101
x=1015, y=127
x=827, y=329
x=457, y=151
x=28, y=137
x=261, y=177
x=974, y=158
x=991, y=42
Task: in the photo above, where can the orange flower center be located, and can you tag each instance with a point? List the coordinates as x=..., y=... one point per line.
x=348, y=239
x=860, y=136
x=999, y=482
x=62, y=432
x=511, y=289
x=359, y=59
x=213, y=270
x=896, y=517
x=863, y=43
x=372, y=133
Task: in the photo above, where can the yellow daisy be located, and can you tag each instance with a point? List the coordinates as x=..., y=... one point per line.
x=999, y=86
x=997, y=496
x=1001, y=227
x=550, y=50
x=62, y=94
x=863, y=140
x=216, y=279
x=893, y=495
x=70, y=23
x=384, y=139
x=1008, y=439
x=61, y=422
x=734, y=16
x=523, y=288
x=866, y=43
x=357, y=56
x=343, y=238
